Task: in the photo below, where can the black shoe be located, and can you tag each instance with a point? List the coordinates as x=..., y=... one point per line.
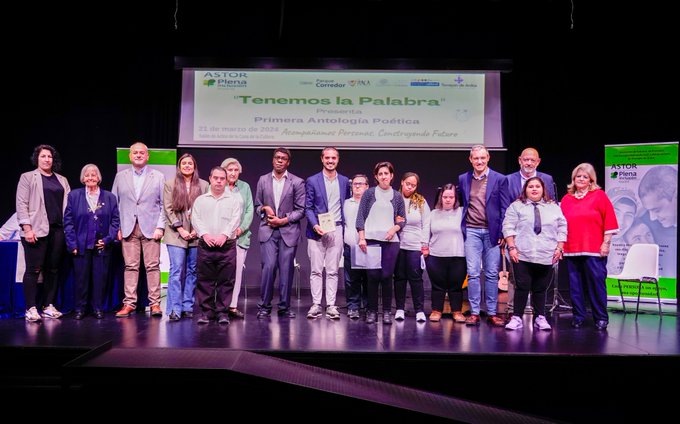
x=601, y=325
x=235, y=313
x=285, y=313
x=223, y=319
x=371, y=317
x=263, y=313
x=173, y=316
x=187, y=314
x=387, y=318
x=203, y=319
x=99, y=314
x=576, y=323
x=79, y=315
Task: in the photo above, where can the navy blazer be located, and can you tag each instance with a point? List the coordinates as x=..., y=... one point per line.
x=292, y=205
x=515, y=185
x=316, y=200
x=497, y=201
x=80, y=224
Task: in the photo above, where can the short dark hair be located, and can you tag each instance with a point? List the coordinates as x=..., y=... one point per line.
x=383, y=164
x=56, y=158
x=284, y=151
x=217, y=168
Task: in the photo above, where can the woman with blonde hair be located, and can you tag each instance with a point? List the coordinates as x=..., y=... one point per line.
x=592, y=223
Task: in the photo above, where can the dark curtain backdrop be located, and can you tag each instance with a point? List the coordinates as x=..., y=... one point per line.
x=88, y=85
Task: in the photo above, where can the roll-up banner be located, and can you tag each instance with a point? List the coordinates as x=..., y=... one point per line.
x=641, y=181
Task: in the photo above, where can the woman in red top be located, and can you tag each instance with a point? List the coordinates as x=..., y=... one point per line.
x=592, y=223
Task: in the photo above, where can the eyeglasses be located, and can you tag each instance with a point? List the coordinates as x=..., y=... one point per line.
x=358, y=184
x=281, y=158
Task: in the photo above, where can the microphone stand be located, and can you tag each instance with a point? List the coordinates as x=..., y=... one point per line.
x=558, y=302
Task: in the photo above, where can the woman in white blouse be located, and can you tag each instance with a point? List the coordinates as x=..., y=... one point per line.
x=535, y=231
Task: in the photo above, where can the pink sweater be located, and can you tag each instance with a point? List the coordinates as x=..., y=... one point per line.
x=588, y=220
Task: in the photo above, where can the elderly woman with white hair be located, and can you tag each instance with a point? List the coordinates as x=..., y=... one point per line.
x=234, y=184
x=91, y=224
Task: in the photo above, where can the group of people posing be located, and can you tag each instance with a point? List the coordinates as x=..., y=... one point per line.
x=206, y=225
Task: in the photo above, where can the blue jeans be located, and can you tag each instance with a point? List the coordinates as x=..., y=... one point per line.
x=480, y=250
x=182, y=279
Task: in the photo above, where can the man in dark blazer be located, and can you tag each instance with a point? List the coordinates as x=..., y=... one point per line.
x=91, y=225
x=325, y=194
x=528, y=164
x=484, y=195
x=280, y=203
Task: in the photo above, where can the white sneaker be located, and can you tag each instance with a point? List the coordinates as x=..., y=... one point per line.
x=399, y=315
x=32, y=315
x=332, y=312
x=51, y=312
x=315, y=311
x=542, y=324
x=420, y=317
x=514, y=324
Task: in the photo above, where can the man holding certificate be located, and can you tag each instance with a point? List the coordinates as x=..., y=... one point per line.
x=325, y=194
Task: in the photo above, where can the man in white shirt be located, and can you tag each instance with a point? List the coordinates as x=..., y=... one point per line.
x=215, y=216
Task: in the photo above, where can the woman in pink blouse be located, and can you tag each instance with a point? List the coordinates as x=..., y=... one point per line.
x=592, y=223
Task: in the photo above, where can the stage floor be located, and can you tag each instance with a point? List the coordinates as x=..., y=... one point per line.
x=649, y=335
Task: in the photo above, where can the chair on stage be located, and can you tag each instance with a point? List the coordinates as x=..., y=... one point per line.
x=641, y=265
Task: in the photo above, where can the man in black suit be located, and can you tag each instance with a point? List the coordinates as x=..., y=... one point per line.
x=280, y=203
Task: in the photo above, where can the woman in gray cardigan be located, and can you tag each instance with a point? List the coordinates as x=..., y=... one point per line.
x=41, y=200
x=381, y=216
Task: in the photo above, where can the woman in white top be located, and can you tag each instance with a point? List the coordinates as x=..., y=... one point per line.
x=381, y=216
x=535, y=231
x=445, y=254
x=413, y=241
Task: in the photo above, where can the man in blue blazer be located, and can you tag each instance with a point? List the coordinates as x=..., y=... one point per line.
x=484, y=195
x=91, y=225
x=325, y=194
x=280, y=204
x=528, y=164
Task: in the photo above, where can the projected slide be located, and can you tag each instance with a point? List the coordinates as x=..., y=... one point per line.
x=347, y=109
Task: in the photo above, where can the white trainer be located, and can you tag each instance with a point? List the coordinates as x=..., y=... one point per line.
x=32, y=315
x=514, y=324
x=51, y=312
x=420, y=317
x=542, y=324
x=315, y=311
x=332, y=312
x=399, y=315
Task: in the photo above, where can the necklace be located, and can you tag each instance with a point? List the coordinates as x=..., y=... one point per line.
x=580, y=194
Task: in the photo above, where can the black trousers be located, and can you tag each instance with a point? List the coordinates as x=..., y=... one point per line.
x=91, y=268
x=534, y=278
x=215, y=275
x=45, y=255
